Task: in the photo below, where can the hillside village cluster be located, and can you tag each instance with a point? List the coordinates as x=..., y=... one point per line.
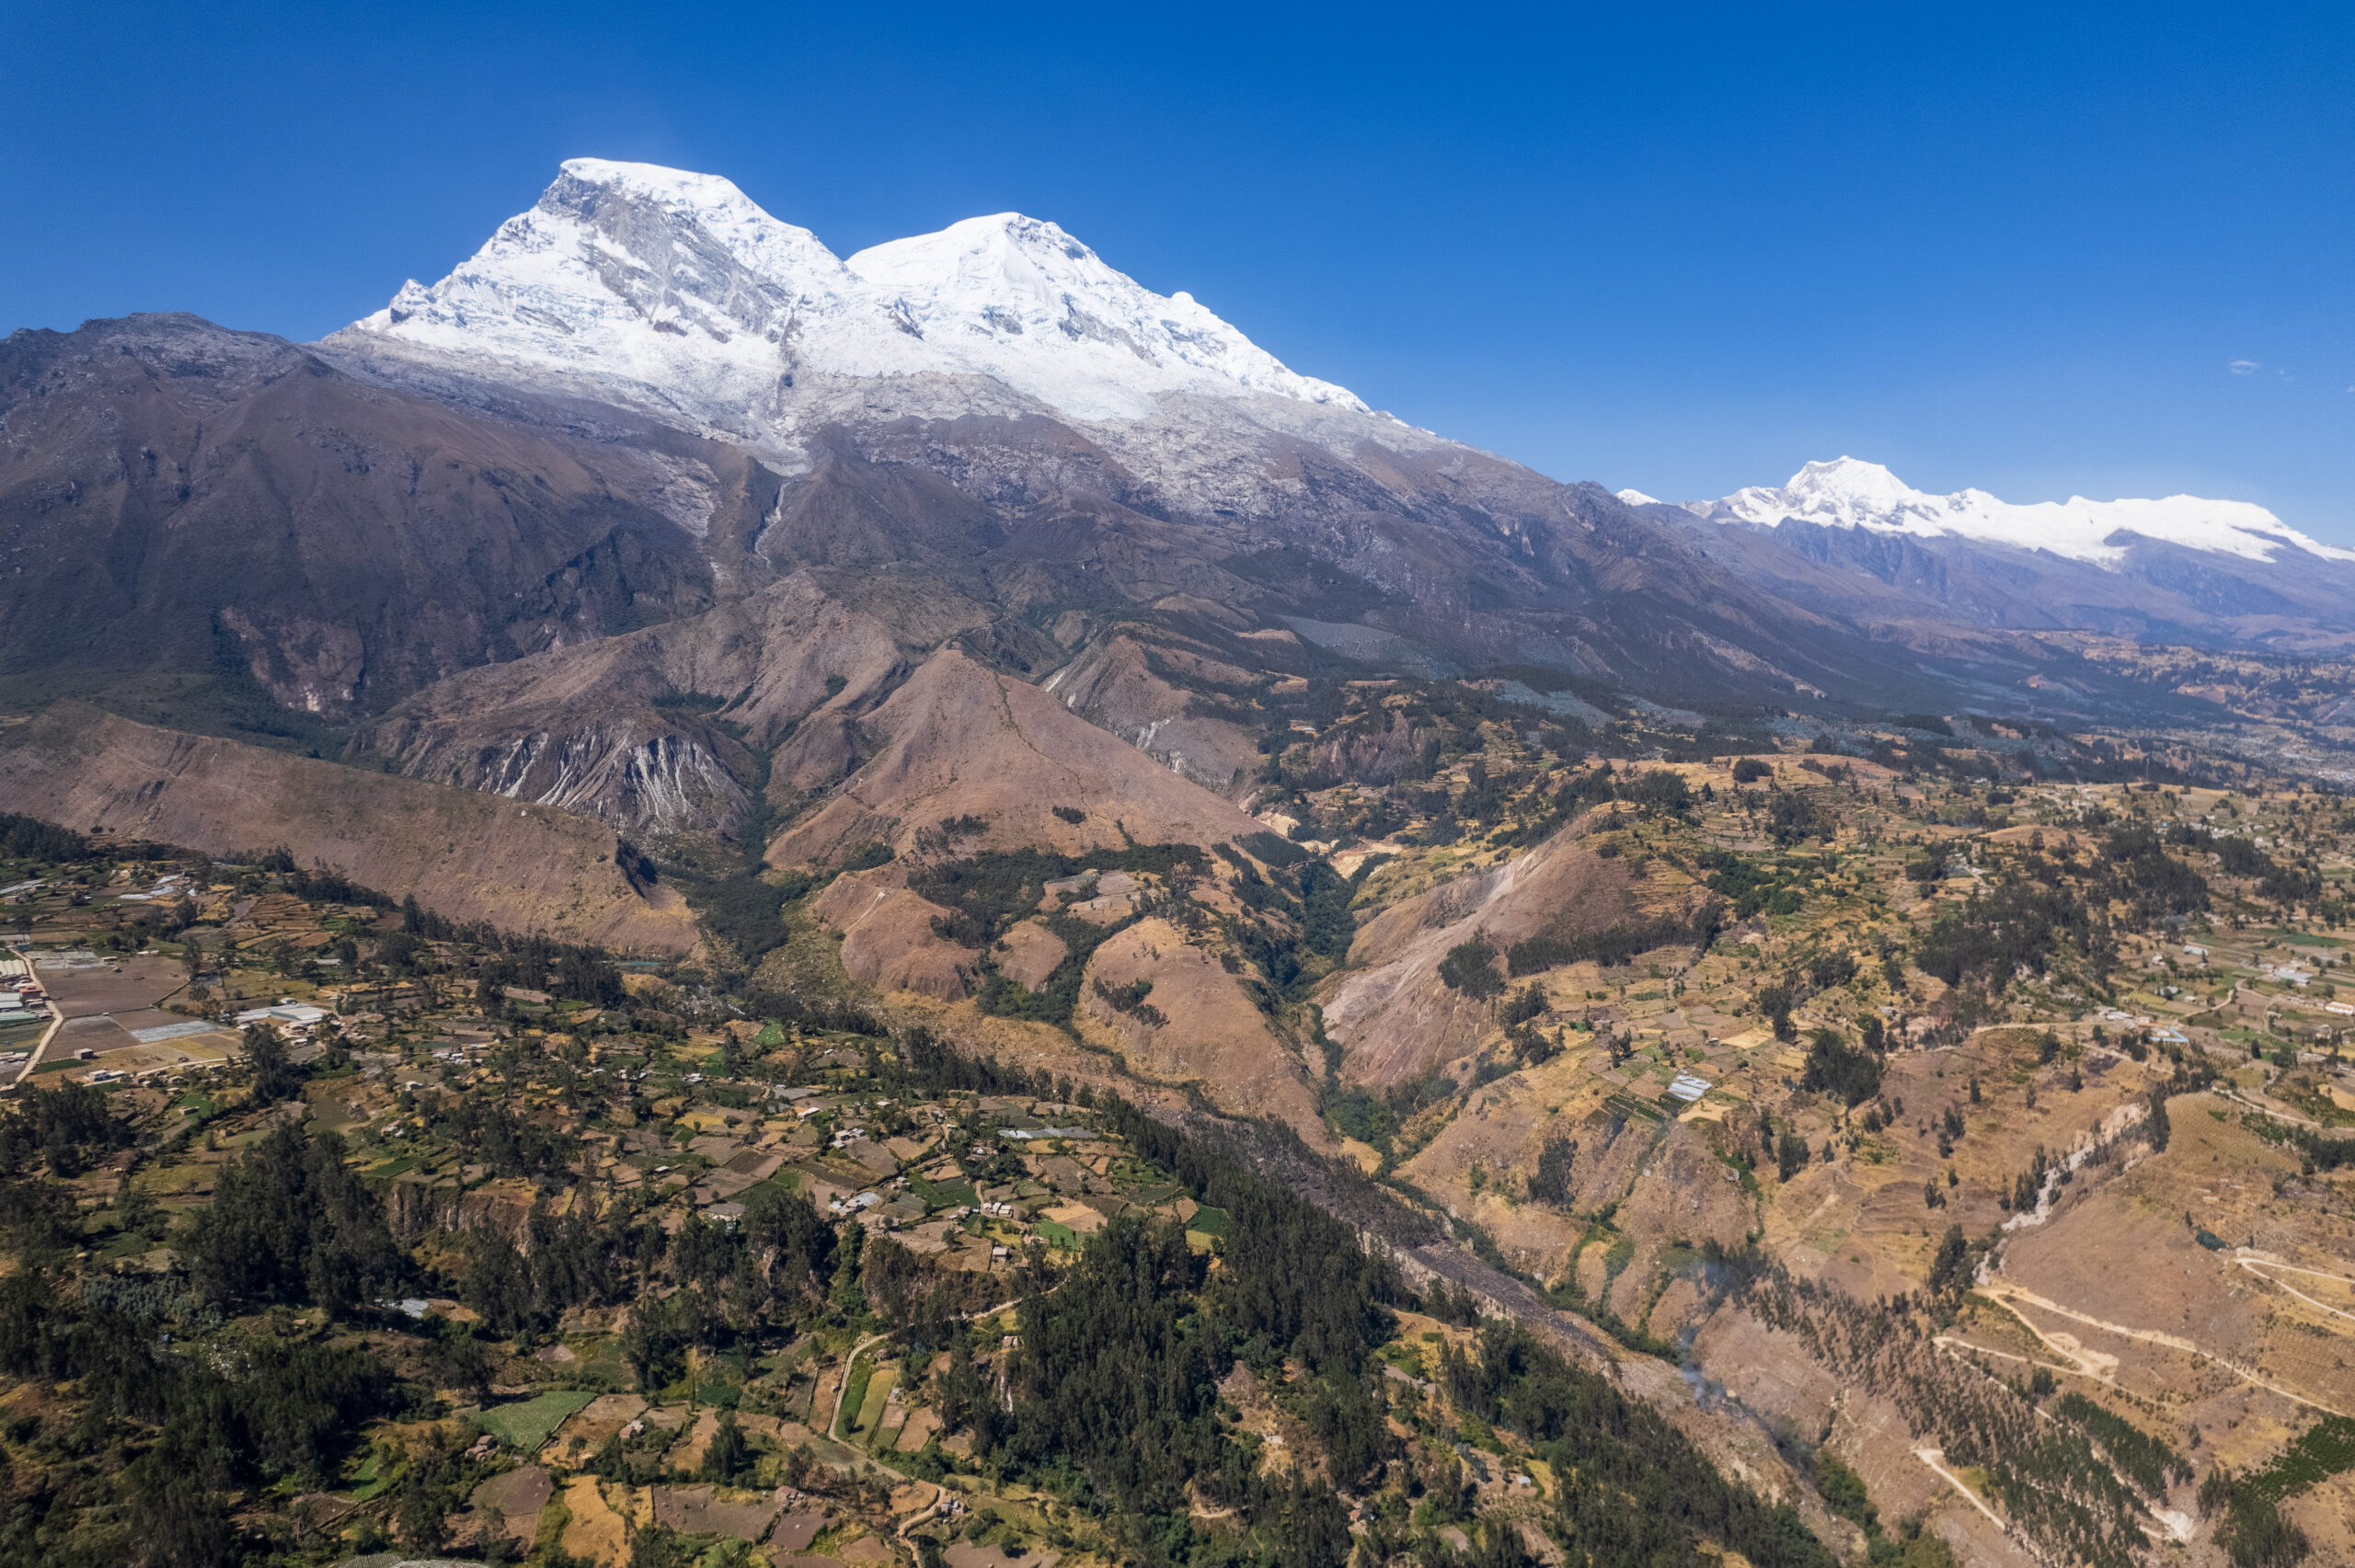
x=2042, y=1083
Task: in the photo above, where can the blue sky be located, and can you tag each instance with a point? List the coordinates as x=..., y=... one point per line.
x=2021, y=247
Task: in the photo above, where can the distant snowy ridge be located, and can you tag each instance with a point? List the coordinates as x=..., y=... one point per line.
x=677, y=291
x=1848, y=493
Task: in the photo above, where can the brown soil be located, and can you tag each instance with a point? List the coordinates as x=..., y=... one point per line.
x=888, y=940
x=509, y=1503
x=710, y=1510
x=466, y=855
x=795, y=1531
x=594, y=1533
x=1029, y=953
x=960, y=739
x=579, y=726
x=687, y=1454
x=1396, y=1017
x=1209, y=1031
x=599, y=1419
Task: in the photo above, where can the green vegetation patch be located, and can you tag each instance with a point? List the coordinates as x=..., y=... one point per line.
x=372, y=1476
x=2325, y=1450
x=525, y=1424
x=943, y=1195
x=2145, y=1460
x=854, y=1395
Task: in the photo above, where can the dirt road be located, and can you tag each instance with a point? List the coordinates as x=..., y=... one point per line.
x=2259, y=1265
x=2011, y=1296
x=851, y=1364
x=1936, y=1460
x=56, y=1021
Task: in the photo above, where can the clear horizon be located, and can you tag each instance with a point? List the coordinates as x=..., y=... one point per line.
x=2036, y=254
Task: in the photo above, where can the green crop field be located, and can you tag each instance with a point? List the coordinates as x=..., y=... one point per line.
x=525, y=1424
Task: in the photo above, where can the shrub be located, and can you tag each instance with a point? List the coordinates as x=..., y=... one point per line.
x=1471, y=967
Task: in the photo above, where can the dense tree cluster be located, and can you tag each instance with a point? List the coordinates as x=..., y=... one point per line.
x=2250, y=1528
x=30, y=837
x=1618, y=942
x=1834, y=1067
x=576, y=1260
x=68, y=1129
x=1991, y=934
x=1470, y=966
x=2138, y=871
x=1631, y=1489
x=1550, y=1182
x=2144, y=1461
x=1115, y=1385
x=2057, y=1489
x=198, y=1426
x=289, y=1221
x=504, y=1142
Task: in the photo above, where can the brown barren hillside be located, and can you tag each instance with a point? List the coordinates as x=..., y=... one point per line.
x=1398, y=1018
x=1200, y=1025
x=651, y=730
x=888, y=940
x=467, y=855
x=961, y=740
x=1114, y=684
x=186, y=489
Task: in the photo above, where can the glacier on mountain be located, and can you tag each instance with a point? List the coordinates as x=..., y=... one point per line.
x=673, y=293
x=676, y=291
x=1849, y=493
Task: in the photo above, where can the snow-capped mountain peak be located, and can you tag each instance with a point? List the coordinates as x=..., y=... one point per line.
x=1023, y=301
x=1851, y=486
x=1849, y=493
x=677, y=291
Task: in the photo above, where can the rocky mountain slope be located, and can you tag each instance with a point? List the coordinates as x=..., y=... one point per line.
x=185, y=507
x=997, y=405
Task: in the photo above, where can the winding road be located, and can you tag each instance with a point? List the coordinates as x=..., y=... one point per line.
x=2258, y=1266
x=56, y=1021
x=850, y=1364
x=2011, y=1296
x=1935, y=1459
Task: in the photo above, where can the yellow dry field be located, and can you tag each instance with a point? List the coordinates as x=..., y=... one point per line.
x=594, y=1533
x=687, y=1454
x=871, y=1411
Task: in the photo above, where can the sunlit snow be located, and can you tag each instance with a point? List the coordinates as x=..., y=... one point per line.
x=1849, y=493
x=677, y=291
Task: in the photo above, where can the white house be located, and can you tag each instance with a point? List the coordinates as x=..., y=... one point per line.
x=286, y=1013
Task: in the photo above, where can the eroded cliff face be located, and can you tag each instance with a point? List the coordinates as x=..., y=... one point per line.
x=664, y=730
x=960, y=739
x=1131, y=688
x=637, y=771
